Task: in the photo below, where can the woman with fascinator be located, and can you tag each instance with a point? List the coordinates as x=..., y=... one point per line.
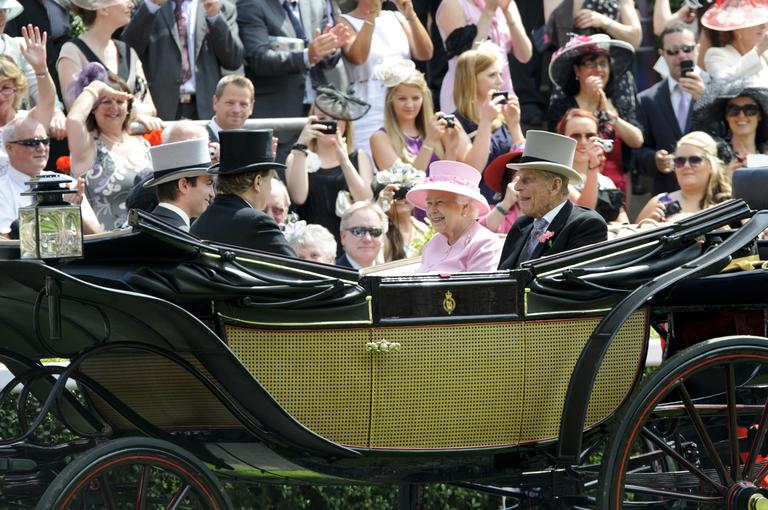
x=101, y=147
x=733, y=112
x=323, y=165
x=587, y=70
x=102, y=18
x=412, y=132
x=379, y=35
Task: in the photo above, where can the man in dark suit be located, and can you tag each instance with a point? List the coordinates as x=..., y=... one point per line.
x=550, y=223
x=288, y=47
x=183, y=47
x=181, y=180
x=245, y=174
x=232, y=104
x=664, y=110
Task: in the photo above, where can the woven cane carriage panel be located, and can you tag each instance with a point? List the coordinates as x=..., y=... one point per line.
x=450, y=386
x=157, y=389
x=552, y=349
x=321, y=377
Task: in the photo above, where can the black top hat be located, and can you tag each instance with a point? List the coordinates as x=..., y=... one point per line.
x=245, y=150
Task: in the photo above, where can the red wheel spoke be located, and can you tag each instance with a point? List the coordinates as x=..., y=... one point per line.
x=141, y=487
x=178, y=497
x=107, y=497
x=701, y=475
x=757, y=443
x=650, y=491
x=690, y=409
x=733, y=439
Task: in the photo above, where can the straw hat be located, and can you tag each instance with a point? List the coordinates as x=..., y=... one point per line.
x=550, y=152
x=453, y=177
x=14, y=9
x=728, y=15
x=561, y=66
x=171, y=161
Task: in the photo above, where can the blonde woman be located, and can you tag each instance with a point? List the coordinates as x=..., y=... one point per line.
x=491, y=122
x=324, y=164
x=412, y=134
x=701, y=176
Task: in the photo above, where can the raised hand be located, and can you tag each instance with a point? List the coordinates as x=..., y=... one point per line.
x=322, y=45
x=33, y=48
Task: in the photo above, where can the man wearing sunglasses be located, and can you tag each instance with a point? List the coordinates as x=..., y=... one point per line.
x=664, y=110
x=363, y=226
x=27, y=145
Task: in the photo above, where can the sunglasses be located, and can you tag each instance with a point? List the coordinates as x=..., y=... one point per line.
x=582, y=136
x=693, y=161
x=360, y=232
x=674, y=50
x=750, y=110
x=32, y=142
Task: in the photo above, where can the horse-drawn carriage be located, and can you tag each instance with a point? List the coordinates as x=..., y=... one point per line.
x=194, y=361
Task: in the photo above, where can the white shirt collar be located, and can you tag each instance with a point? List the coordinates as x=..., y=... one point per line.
x=177, y=210
x=214, y=126
x=550, y=216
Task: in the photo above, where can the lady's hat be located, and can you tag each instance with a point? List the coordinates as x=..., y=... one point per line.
x=709, y=110
x=245, y=150
x=392, y=71
x=453, y=177
x=494, y=173
x=728, y=15
x=338, y=105
x=561, y=66
x=550, y=152
x=13, y=7
x=171, y=161
x=93, y=5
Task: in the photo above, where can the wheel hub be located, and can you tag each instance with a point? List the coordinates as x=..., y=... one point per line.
x=746, y=496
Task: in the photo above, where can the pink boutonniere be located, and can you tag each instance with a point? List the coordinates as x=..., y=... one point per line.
x=546, y=237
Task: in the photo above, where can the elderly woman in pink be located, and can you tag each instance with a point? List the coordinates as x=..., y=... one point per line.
x=452, y=200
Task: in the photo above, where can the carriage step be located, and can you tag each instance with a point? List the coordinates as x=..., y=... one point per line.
x=17, y=465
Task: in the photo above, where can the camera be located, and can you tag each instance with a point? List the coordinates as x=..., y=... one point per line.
x=330, y=126
x=606, y=144
x=402, y=191
x=450, y=120
x=686, y=66
x=505, y=95
x=671, y=208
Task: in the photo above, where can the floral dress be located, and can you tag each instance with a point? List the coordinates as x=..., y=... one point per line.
x=107, y=184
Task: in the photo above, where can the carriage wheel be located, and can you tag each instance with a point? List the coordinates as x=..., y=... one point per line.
x=135, y=473
x=704, y=413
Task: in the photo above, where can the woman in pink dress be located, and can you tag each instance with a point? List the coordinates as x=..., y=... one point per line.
x=466, y=24
x=453, y=203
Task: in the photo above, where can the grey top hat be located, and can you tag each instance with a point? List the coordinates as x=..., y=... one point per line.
x=550, y=152
x=171, y=161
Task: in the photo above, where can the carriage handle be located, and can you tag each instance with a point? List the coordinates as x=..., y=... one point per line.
x=584, y=373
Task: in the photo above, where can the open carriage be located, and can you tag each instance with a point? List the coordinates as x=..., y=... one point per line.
x=195, y=362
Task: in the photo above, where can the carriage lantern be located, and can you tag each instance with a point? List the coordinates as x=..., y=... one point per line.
x=50, y=228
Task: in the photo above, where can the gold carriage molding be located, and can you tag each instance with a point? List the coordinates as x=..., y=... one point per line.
x=438, y=297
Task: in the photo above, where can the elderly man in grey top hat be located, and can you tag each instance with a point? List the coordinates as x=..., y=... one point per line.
x=181, y=179
x=550, y=222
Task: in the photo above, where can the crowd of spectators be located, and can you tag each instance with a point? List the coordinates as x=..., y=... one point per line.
x=388, y=165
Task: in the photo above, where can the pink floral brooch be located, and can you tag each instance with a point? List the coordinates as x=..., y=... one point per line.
x=546, y=236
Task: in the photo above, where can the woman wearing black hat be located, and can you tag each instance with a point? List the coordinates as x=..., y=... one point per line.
x=734, y=113
x=323, y=169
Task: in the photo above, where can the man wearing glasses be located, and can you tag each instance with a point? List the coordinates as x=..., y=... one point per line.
x=664, y=110
x=363, y=226
x=27, y=145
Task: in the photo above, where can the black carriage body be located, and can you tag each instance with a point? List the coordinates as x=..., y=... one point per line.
x=285, y=370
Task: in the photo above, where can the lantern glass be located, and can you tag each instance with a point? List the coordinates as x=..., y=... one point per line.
x=51, y=231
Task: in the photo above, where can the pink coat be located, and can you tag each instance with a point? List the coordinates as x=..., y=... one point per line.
x=478, y=250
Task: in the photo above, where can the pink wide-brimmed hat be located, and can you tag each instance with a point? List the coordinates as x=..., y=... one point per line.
x=728, y=15
x=453, y=177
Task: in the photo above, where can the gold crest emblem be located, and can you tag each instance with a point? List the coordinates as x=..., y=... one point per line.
x=449, y=304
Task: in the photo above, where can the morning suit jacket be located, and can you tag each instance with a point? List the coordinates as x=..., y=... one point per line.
x=168, y=216
x=155, y=37
x=660, y=131
x=278, y=75
x=230, y=220
x=573, y=227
